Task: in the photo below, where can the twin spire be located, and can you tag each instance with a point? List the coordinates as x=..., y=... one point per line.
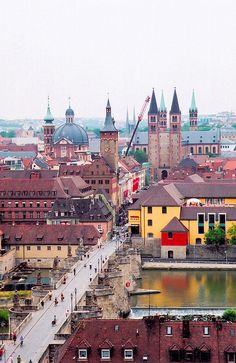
x=153, y=110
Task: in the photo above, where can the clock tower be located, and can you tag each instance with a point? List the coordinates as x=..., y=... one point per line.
x=109, y=140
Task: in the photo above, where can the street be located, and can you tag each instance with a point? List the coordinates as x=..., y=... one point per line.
x=39, y=332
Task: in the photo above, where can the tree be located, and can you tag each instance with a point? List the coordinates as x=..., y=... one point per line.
x=232, y=234
x=140, y=156
x=215, y=236
x=230, y=315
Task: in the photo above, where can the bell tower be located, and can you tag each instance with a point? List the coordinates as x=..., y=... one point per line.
x=175, y=132
x=48, y=131
x=153, y=137
x=193, y=114
x=109, y=140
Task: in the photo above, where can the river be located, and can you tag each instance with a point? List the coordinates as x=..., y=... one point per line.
x=201, y=288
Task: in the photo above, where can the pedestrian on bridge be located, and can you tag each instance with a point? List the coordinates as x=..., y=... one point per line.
x=18, y=359
x=14, y=337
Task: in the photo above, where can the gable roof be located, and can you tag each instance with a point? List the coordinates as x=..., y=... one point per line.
x=174, y=226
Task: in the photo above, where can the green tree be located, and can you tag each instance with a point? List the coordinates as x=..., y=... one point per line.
x=10, y=134
x=4, y=316
x=215, y=236
x=230, y=315
x=232, y=234
x=140, y=156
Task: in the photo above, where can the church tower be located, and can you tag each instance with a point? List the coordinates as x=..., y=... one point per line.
x=48, y=131
x=153, y=137
x=193, y=114
x=175, y=132
x=109, y=140
x=163, y=114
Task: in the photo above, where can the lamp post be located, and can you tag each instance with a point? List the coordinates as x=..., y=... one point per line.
x=226, y=257
x=101, y=263
x=98, y=264
x=75, y=296
x=71, y=302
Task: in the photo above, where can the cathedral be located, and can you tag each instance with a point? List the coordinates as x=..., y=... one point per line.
x=68, y=141
x=164, y=141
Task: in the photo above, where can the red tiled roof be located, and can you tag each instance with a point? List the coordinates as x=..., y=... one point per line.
x=230, y=165
x=50, y=234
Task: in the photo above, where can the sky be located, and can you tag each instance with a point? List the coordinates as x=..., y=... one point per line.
x=85, y=49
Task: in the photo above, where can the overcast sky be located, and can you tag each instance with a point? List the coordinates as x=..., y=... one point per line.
x=87, y=48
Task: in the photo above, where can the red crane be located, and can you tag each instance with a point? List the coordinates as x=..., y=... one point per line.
x=140, y=117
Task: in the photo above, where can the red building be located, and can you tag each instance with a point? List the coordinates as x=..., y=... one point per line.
x=174, y=239
x=152, y=339
x=28, y=200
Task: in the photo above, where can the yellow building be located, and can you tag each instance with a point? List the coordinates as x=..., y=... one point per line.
x=199, y=206
x=47, y=241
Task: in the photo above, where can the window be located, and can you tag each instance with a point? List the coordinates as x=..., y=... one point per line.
x=128, y=354
x=214, y=150
x=170, y=235
x=207, y=150
x=45, y=204
x=175, y=355
x=169, y=330
x=153, y=119
x=38, y=204
x=230, y=357
x=206, y=330
x=2, y=204
x=93, y=181
x=198, y=241
x=28, y=248
x=149, y=222
x=52, y=204
x=105, y=354
x=150, y=235
x=107, y=191
x=205, y=356
x=9, y=215
x=24, y=215
x=153, y=128
x=149, y=209
x=23, y=204
x=38, y=214
x=49, y=248
x=200, y=218
x=200, y=150
x=45, y=215
x=231, y=332
x=191, y=150
x=31, y=204
x=31, y=215
x=83, y=354
x=16, y=204
x=100, y=181
x=107, y=181
x=211, y=220
x=17, y=248
x=188, y=356
x=39, y=248
x=222, y=218
x=164, y=210
x=59, y=248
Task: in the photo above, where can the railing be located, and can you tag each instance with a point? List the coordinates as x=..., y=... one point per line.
x=204, y=261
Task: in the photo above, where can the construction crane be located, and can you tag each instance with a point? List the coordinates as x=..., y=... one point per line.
x=140, y=117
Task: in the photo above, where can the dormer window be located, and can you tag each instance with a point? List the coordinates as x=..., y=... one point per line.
x=128, y=354
x=83, y=354
x=105, y=354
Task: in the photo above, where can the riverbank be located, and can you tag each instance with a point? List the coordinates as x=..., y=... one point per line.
x=187, y=266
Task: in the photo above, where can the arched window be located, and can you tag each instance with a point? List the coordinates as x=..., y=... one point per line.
x=200, y=150
x=191, y=150
x=214, y=150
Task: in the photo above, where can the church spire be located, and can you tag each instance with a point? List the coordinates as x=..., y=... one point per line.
x=49, y=117
x=193, y=106
x=153, y=110
x=175, y=104
x=109, y=124
x=162, y=104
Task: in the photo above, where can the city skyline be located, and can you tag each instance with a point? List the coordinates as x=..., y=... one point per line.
x=86, y=50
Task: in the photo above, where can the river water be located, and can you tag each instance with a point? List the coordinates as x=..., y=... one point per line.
x=202, y=288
